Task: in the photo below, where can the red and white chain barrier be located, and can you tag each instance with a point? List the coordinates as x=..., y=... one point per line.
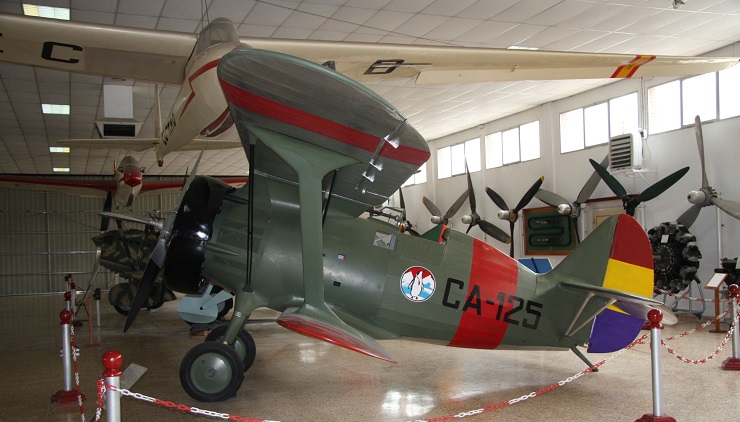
x=695, y=299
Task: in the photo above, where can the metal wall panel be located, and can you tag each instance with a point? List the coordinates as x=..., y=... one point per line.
x=45, y=236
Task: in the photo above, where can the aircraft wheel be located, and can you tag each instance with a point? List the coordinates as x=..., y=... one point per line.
x=211, y=372
x=244, y=344
x=123, y=310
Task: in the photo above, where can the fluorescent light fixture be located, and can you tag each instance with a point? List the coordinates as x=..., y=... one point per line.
x=55, y=108
x=64, y=150
x=61, y=169
x=46, y=11
x=519, y=47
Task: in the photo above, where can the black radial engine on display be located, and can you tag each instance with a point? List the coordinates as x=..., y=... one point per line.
x=675, y=256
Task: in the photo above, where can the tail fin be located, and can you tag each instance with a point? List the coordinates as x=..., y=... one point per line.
x=614, y=266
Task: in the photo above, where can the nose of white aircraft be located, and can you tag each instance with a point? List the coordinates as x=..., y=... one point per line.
x=132, y=177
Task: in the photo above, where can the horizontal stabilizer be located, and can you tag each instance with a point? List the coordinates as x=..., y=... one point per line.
x=632, y=304
x=335, y=332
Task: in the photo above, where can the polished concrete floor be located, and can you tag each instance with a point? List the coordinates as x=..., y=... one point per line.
x=295, y=378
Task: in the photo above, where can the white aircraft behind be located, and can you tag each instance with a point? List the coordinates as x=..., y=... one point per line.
x=200, y=112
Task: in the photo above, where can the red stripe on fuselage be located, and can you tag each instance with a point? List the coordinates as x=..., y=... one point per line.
x=320, y=125
x=493, y=276
x=208, y=66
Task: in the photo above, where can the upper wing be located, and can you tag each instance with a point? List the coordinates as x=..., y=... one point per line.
x=96, y=49
x=275, y=95
x=68, y=185
x=444, y=65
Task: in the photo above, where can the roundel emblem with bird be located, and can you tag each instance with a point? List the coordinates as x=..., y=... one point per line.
x=417, y=284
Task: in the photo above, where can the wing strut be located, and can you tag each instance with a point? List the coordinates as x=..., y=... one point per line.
x=314, y=318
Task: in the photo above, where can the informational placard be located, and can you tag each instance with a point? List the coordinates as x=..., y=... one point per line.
x=716, y=281
x=546, y=232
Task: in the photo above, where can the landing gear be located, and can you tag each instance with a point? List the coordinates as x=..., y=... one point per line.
x=211, y=372
x=244, y=344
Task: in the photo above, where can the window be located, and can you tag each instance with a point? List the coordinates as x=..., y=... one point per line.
x=729, y=86
x=699, y=98
x=417, y=178
x=494, y=151
x=589, y=126
x=664, y=106
x=451, y=160
x=521, y=143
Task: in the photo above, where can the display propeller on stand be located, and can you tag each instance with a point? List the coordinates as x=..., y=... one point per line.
x=573, y=210
x=437, y=217
x=631, y=202
x=474, y=219
x=706, y=195
x=512, y=214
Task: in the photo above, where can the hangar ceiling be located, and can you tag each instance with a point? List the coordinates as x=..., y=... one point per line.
x=609, y=26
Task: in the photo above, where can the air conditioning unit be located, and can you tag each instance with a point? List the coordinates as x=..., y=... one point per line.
x=625, y=152
x=118, y=128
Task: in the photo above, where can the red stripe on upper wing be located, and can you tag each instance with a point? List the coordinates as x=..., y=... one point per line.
x=317, y=124
x=492, y=273
x=102, y=185
x=626, y=71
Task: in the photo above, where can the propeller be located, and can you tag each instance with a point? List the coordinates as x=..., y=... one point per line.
x=706, y=195
x=512, y=214
x=573, y=209
x=437, y=217
x=631, y=202
x=156, y=260
x=405, y=225
x=474, y=219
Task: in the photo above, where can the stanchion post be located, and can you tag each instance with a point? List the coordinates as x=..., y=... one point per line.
x=112, y=361
x=96, y=296
x=67, y=300
x=654, y=318
x=68, y=394
x=733, y=363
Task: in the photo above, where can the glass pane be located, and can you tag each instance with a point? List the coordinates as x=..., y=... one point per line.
x=529, y=139
x=444, y=168
x=408, y=182
x=421, y=175
x=457, y=159
x=510, y=141
x=596, y=124
x=494, y=153
x=664, y=107
x=729, y=86
x=472, y=154
x=699, y=98
x=571, y=130
x=623, y=115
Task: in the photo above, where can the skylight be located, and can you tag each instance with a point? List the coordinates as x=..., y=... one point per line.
x=61, y=13
x=61, y=169
x=55, y=108
x=64, y=150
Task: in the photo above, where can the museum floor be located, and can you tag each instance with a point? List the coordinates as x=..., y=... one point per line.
x=295, y=378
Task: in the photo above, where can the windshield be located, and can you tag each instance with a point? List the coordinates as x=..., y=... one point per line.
x=217, y=32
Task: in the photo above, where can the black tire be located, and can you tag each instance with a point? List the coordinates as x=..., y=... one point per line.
x=123, y=310
x=243, y=345
x=227, y=305
x=211, y=372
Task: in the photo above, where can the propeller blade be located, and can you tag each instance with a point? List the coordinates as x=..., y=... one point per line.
x=689, y=216
x=456, y=206
x=590, y=186
x=610, y=180
x=431, y=207
x=550, y=198
x=496, y=198
x=147, y=280
x=700, y=144
x=105, y=221
x=661, y=185
x=470, y=190
x=730, y=207
x=529, y=195
x=494, y=231
x=511, y=230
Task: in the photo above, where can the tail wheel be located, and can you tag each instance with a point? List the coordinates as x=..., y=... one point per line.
x=675, y=256
x=243, y=345
x=211, y=372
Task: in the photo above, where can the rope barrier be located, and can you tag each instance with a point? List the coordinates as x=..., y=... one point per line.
x=695, y=299
x=715, y=353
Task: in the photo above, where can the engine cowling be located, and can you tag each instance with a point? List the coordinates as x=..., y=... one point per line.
x=193, y=227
